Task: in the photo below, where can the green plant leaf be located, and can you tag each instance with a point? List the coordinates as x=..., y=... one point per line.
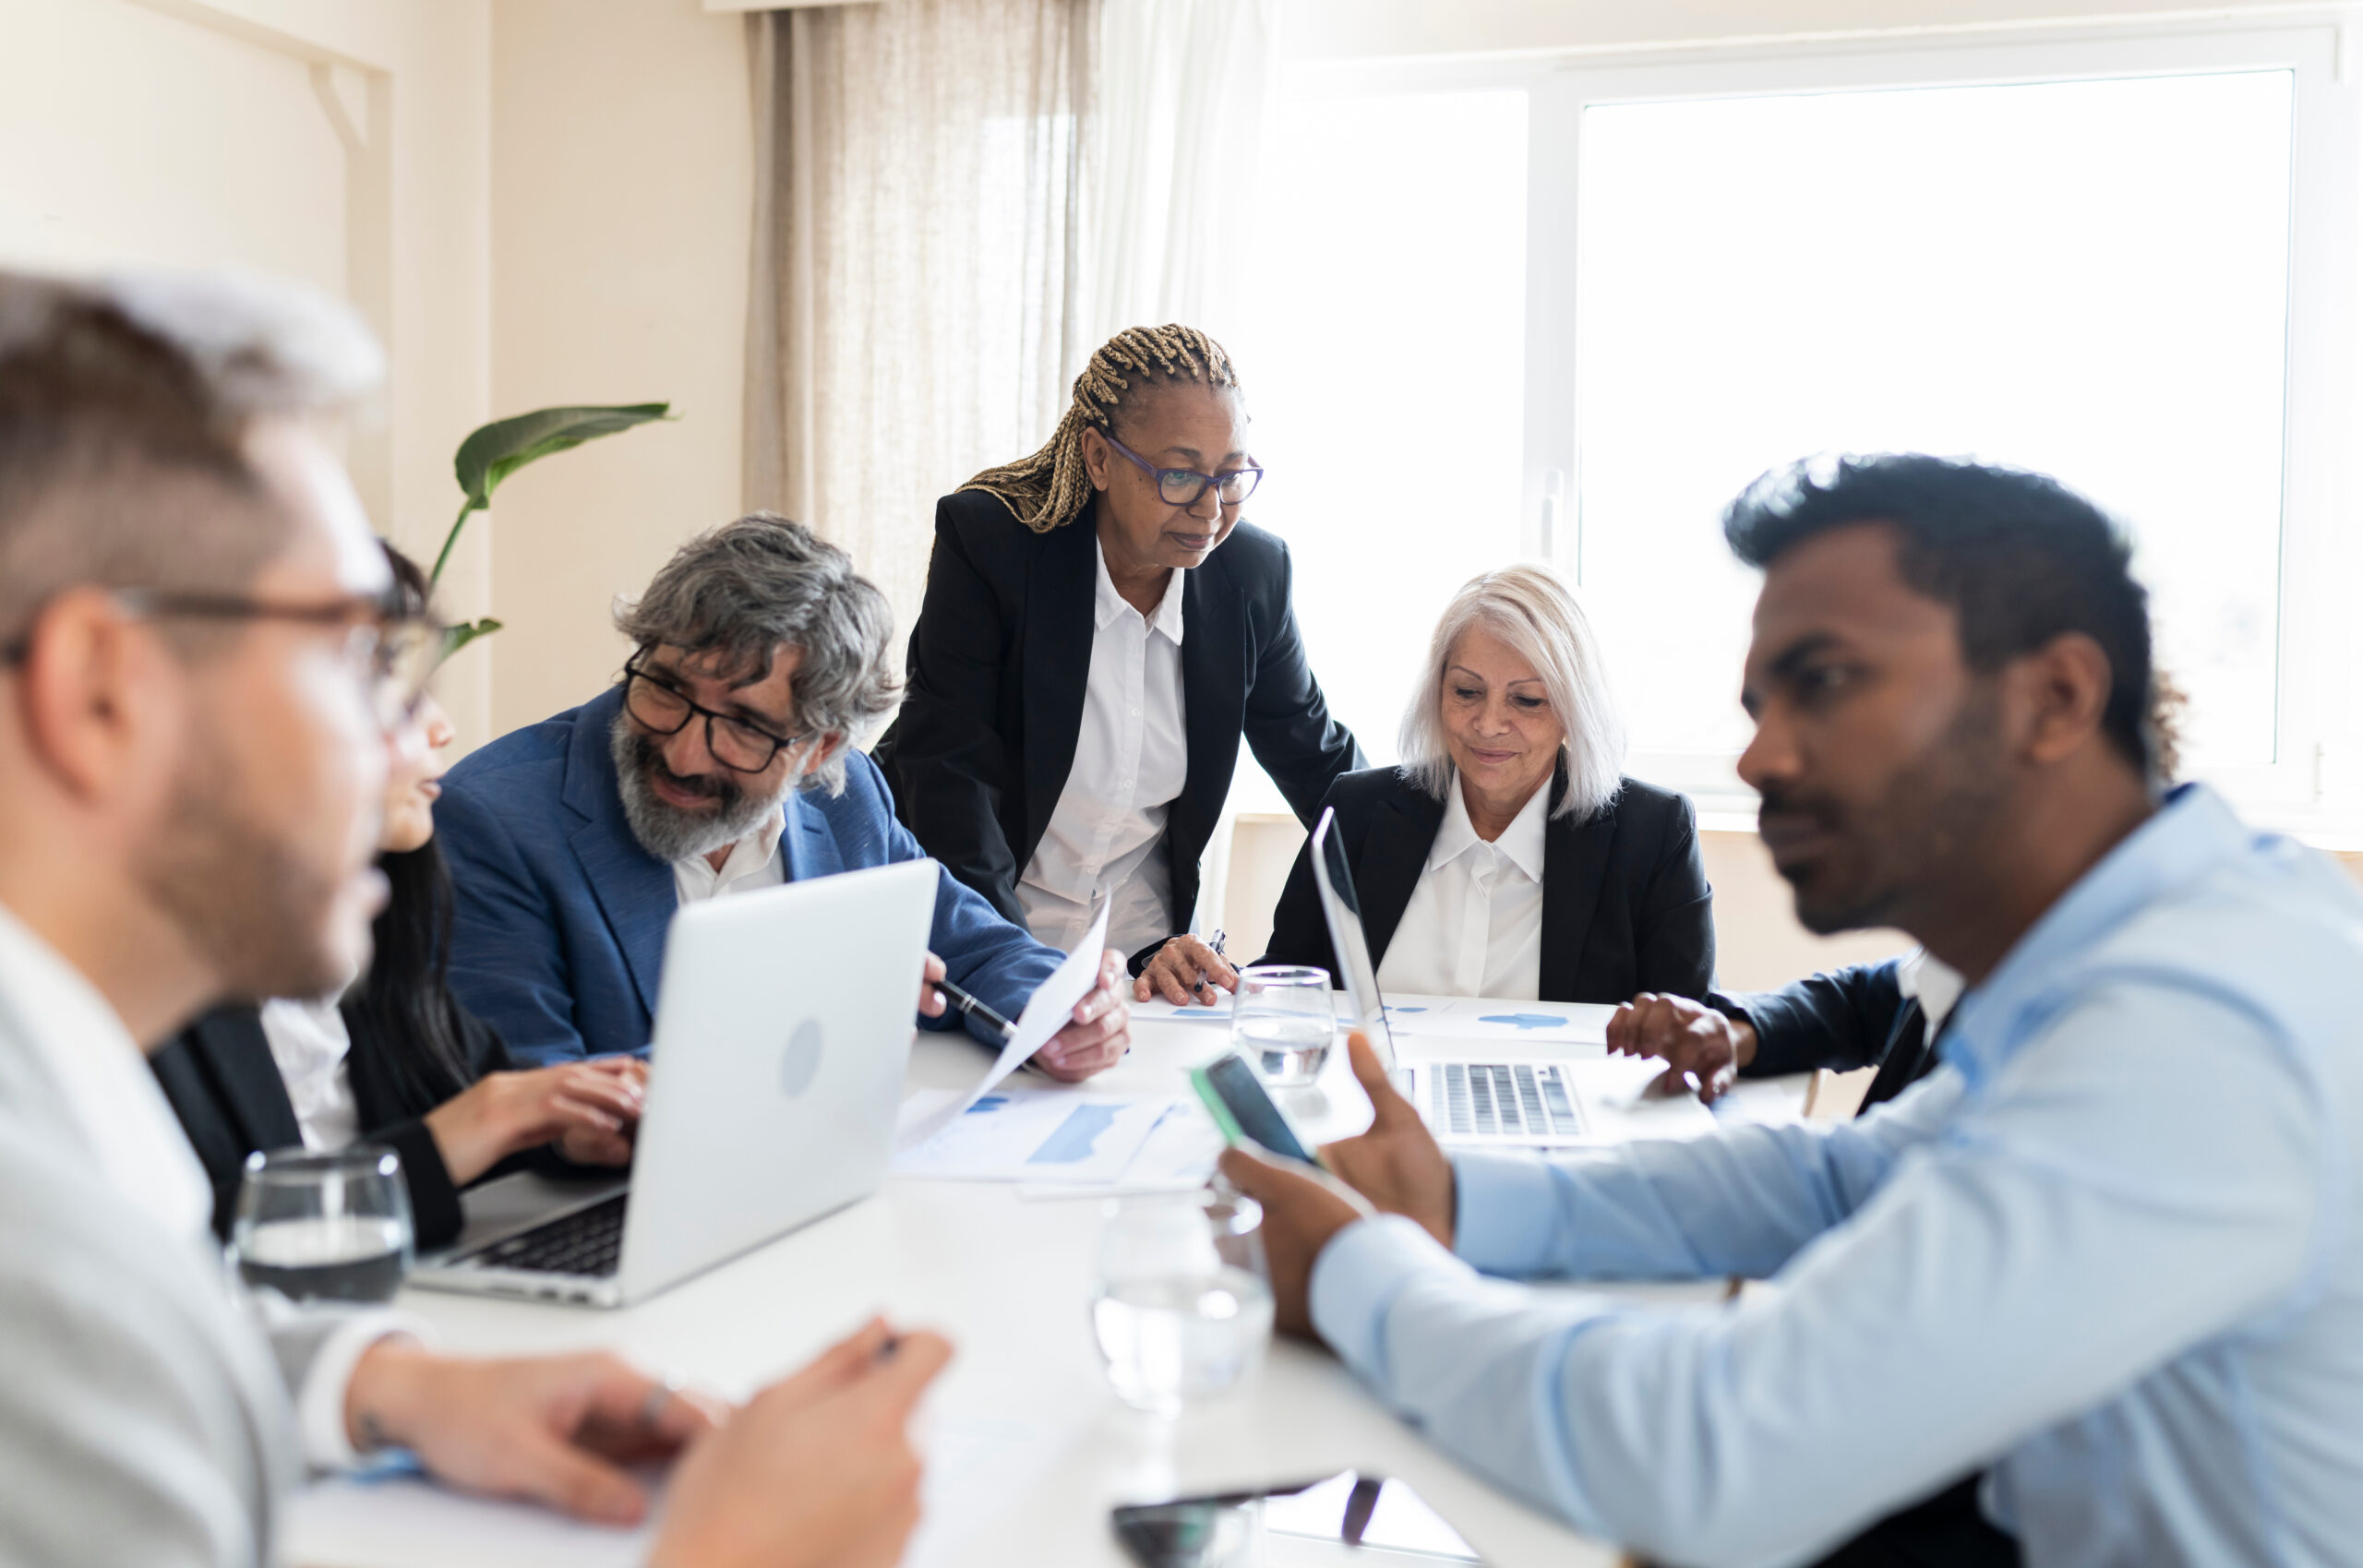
x=458, y=637
x=493, y=451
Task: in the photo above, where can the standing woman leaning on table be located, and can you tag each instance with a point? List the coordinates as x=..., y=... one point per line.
x=1508, y=857
x=1100, y=629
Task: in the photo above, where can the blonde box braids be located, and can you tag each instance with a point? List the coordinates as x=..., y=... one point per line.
x=1051, y=488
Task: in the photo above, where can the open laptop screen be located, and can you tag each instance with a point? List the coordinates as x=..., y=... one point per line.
x=1365, y=1009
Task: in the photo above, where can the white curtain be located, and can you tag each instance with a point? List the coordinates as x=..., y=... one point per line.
x=1188, y=88
x=915, y=302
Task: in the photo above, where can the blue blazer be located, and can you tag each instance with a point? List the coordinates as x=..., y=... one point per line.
x=561, y=913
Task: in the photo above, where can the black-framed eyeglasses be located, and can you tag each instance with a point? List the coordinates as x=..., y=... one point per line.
x=1182, y=487
x=392, y=652
x=662, y=707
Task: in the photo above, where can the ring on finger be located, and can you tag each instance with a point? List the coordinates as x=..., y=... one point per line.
x=651, y=1408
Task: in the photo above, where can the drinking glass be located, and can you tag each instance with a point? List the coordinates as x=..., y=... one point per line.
x=1184, y=1307
x=324, y=1224
x=1282, y=1021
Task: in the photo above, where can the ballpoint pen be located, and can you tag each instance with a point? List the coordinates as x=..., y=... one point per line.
x=1213, y=942
x=963, y=1003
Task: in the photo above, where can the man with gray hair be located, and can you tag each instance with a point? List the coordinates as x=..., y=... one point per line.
x=198, y=684
x=724, y=759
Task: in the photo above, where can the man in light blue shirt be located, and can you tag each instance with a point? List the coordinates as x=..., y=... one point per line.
x=2107, y=1254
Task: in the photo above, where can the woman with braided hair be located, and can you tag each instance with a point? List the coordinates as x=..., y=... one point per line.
x=1101, y=628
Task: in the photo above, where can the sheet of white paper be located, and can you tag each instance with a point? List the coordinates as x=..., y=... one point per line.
x=1161, y=1011
x=400, y=1520
x=1063, y=1136
x=1178, y=1157
x=978, y=1468
x=1490, y=1018
x=1047, y=1012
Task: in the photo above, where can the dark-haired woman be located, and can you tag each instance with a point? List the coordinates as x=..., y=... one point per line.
x=1101, y=629
x=395, y=1060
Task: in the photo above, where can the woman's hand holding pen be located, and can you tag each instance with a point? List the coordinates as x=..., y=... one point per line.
x=1185, y=970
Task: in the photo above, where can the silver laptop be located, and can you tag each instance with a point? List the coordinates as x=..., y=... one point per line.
x=783, y=1023
x=1517, y=1104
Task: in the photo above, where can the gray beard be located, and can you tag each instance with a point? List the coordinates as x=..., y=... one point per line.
x=666, y=831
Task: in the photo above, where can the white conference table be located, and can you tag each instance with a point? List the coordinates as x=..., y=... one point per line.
x=1028, y=1450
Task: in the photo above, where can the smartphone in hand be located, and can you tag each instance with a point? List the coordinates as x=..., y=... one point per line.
x=1245, y=1109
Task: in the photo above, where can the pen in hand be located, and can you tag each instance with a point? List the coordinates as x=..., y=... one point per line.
x=962, y=1001
x=1214, y=944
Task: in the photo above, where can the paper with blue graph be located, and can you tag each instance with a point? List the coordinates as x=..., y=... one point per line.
x=1047, y=1012
x=1061, y=1137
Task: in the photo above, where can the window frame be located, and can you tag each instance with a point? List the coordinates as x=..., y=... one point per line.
x=2314, y=784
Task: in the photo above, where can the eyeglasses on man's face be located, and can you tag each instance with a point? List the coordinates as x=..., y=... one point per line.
x=662, y=707
x=392, y=655
x=1182, y=487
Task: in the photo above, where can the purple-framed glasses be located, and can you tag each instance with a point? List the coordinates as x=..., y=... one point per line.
x=1182, y=487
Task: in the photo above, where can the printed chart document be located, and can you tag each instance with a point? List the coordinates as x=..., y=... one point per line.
x=1047, y=1012
x=1063, y=1136
x=1490, y=1018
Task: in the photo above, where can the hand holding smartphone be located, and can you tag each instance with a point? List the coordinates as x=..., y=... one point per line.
x=1243, y=1109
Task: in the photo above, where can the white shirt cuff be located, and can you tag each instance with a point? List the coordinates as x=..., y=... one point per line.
x=320, y=1403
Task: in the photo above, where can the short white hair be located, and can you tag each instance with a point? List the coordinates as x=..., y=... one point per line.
x=1529, y=607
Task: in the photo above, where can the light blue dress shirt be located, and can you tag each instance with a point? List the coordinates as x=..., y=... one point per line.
x=2109, y=1249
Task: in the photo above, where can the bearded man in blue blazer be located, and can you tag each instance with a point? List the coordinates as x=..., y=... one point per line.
x=722, y=762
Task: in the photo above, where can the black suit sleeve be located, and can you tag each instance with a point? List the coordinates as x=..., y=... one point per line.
x=1300, y=931
x=1673, y=931
x=1841, y=1020
x=950, y=766
x=1287, y=724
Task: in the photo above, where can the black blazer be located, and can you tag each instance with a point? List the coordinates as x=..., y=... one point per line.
x=222, y=1080
x=1625, y=904
x=1000, y=661
x=1842, y=1020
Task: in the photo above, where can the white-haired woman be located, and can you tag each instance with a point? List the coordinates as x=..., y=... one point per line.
x=1507, y=856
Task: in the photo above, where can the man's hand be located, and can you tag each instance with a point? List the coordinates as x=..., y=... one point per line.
x=588, y=1108
x=1303, y=1208
x=1698, y=1043
x=931, y=1002
x=1185, y=970
x=1397, y=1164
x=552, y=1429
x=816, y=1472
x=1101, y=1033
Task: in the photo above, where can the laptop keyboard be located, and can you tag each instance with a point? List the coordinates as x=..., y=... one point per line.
x=1478, y=1099
x=588, y=1242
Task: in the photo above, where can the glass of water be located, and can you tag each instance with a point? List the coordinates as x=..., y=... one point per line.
x=1184, y=1307
x=1282, y=1021
x=324, y=1224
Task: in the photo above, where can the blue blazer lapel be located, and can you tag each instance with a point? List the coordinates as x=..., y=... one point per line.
x=634, y=888
x=806, y=847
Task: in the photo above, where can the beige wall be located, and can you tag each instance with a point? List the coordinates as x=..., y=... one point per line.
x=191, y=133
x=622, y=172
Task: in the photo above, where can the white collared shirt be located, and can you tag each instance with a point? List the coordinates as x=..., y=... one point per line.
x=137, y=1141
x=1474, y=925
x=309, y=1043
x=754, y=862
x=1106, y=838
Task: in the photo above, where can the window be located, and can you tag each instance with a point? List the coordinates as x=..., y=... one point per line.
x=1384, y=370
x=2125, y=258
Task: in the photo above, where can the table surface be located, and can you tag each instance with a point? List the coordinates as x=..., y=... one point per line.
x=1030, y=1447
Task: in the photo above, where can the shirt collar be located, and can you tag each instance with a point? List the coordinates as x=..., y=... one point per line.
x=2191, y=835
x=1523, y=843
x=1107, y=604
x=102, y=1074
x=751, y=853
